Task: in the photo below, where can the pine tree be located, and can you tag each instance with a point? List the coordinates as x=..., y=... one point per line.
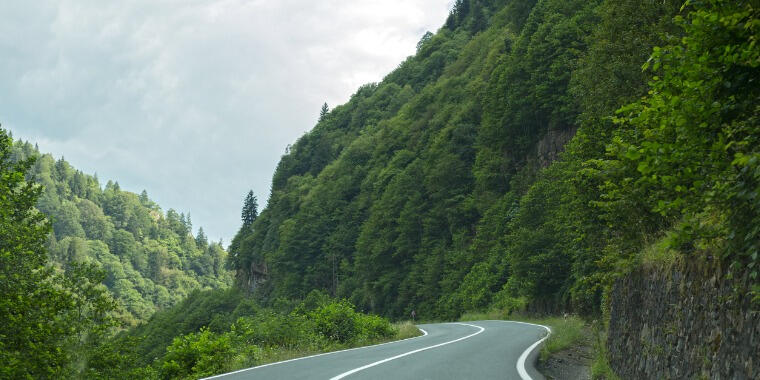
x=144, y=198
x=479, y=22
x=201, y=240
x=323, y=112
x=250, y=209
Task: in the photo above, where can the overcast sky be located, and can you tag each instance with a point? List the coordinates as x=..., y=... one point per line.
x=192, y=100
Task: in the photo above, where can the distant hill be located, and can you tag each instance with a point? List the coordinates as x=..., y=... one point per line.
x=151, y=258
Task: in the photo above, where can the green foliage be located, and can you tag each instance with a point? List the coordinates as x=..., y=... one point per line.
x=688, y=151
x=116, y=359
x=53, y=319
x=600, y=367
x=335, y=321
x=566, y=332
x=250, y=209
x=197, y=355
x=323, y=111
x=217, y=331
x=406, y=330
x=216, y=309
x=151, y=260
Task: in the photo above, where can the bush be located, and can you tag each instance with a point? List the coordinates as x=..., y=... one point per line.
x=374, y=327
x=276, y=330
x=197, y=355
x=336, y=321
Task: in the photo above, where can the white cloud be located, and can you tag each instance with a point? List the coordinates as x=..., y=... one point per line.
x=196, y=100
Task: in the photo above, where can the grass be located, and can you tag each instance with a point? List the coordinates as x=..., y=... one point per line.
x=659, y=253
x=405, y=330
x=600, y=367
x=483, y=316
x=565, y=331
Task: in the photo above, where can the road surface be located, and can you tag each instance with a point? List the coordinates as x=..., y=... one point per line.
x=466, y=350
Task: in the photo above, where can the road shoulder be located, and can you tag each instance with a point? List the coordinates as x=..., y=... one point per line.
x=571, y=363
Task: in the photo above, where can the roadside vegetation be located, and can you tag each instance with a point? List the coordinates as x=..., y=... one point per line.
x=190, y=342
x=600, y=367
x=406, y=330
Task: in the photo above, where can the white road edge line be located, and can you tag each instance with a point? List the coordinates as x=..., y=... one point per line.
x=355, y=370
x=521, y=361
x=424, y=333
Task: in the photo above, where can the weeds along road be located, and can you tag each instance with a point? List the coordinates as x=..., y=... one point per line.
x=458, y=350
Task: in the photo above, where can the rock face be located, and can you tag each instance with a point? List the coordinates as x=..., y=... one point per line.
x=552, y=144
x=688, y=322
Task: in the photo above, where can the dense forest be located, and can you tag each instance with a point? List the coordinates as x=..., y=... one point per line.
x=528, y=153
x=151, y=259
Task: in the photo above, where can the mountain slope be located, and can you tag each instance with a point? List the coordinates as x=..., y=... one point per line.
x=443, y=188
x=381, y=202
x=150, y=258
x=426, y=191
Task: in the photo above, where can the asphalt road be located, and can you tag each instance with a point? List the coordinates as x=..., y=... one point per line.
x=467, y=350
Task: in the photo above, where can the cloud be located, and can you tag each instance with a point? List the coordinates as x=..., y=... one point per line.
x=194, y=100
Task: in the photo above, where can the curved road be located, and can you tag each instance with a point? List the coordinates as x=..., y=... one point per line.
x=466, y=350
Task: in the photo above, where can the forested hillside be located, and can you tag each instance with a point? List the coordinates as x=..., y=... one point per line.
x=442, y=188
x=64, y=308
x=151, y=259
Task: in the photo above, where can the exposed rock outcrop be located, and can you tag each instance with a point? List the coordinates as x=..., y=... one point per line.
x=552, y=144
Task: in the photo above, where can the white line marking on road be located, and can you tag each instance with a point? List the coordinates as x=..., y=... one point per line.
x=424, y=333
x=521, y=361
x=355, y=370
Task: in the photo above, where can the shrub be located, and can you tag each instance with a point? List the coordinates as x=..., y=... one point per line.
x=336, y=321
x=374, y=327
x=196, y=355
x=273, y=329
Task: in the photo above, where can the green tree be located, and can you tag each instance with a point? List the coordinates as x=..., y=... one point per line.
x=425, y=38
x=201, y=240
x=323, y=111
x=31, y=301
x=49, y=319
x=250, y=209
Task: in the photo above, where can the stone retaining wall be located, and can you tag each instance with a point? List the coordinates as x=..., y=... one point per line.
x=683, y=323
